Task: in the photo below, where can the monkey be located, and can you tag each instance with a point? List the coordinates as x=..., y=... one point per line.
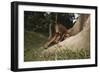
x=58, y=31
x=58, y=34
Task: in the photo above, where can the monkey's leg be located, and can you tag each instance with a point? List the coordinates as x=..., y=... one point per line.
x=52, y=40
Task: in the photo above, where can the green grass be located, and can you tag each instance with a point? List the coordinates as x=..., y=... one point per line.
x=67, y=55
x=33, y=43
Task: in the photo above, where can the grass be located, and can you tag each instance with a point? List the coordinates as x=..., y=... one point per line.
x=33, y=43
x=68, y=55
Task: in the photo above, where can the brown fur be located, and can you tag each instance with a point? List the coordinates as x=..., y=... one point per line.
x=59, y=33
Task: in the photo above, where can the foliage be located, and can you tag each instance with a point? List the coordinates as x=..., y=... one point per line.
x=39, y=21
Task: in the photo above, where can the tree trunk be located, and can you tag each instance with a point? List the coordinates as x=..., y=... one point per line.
x=80, y=37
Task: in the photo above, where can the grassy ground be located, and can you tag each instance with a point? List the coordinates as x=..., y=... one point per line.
x=67, y=54
x=32, y=45
x=33, y=48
